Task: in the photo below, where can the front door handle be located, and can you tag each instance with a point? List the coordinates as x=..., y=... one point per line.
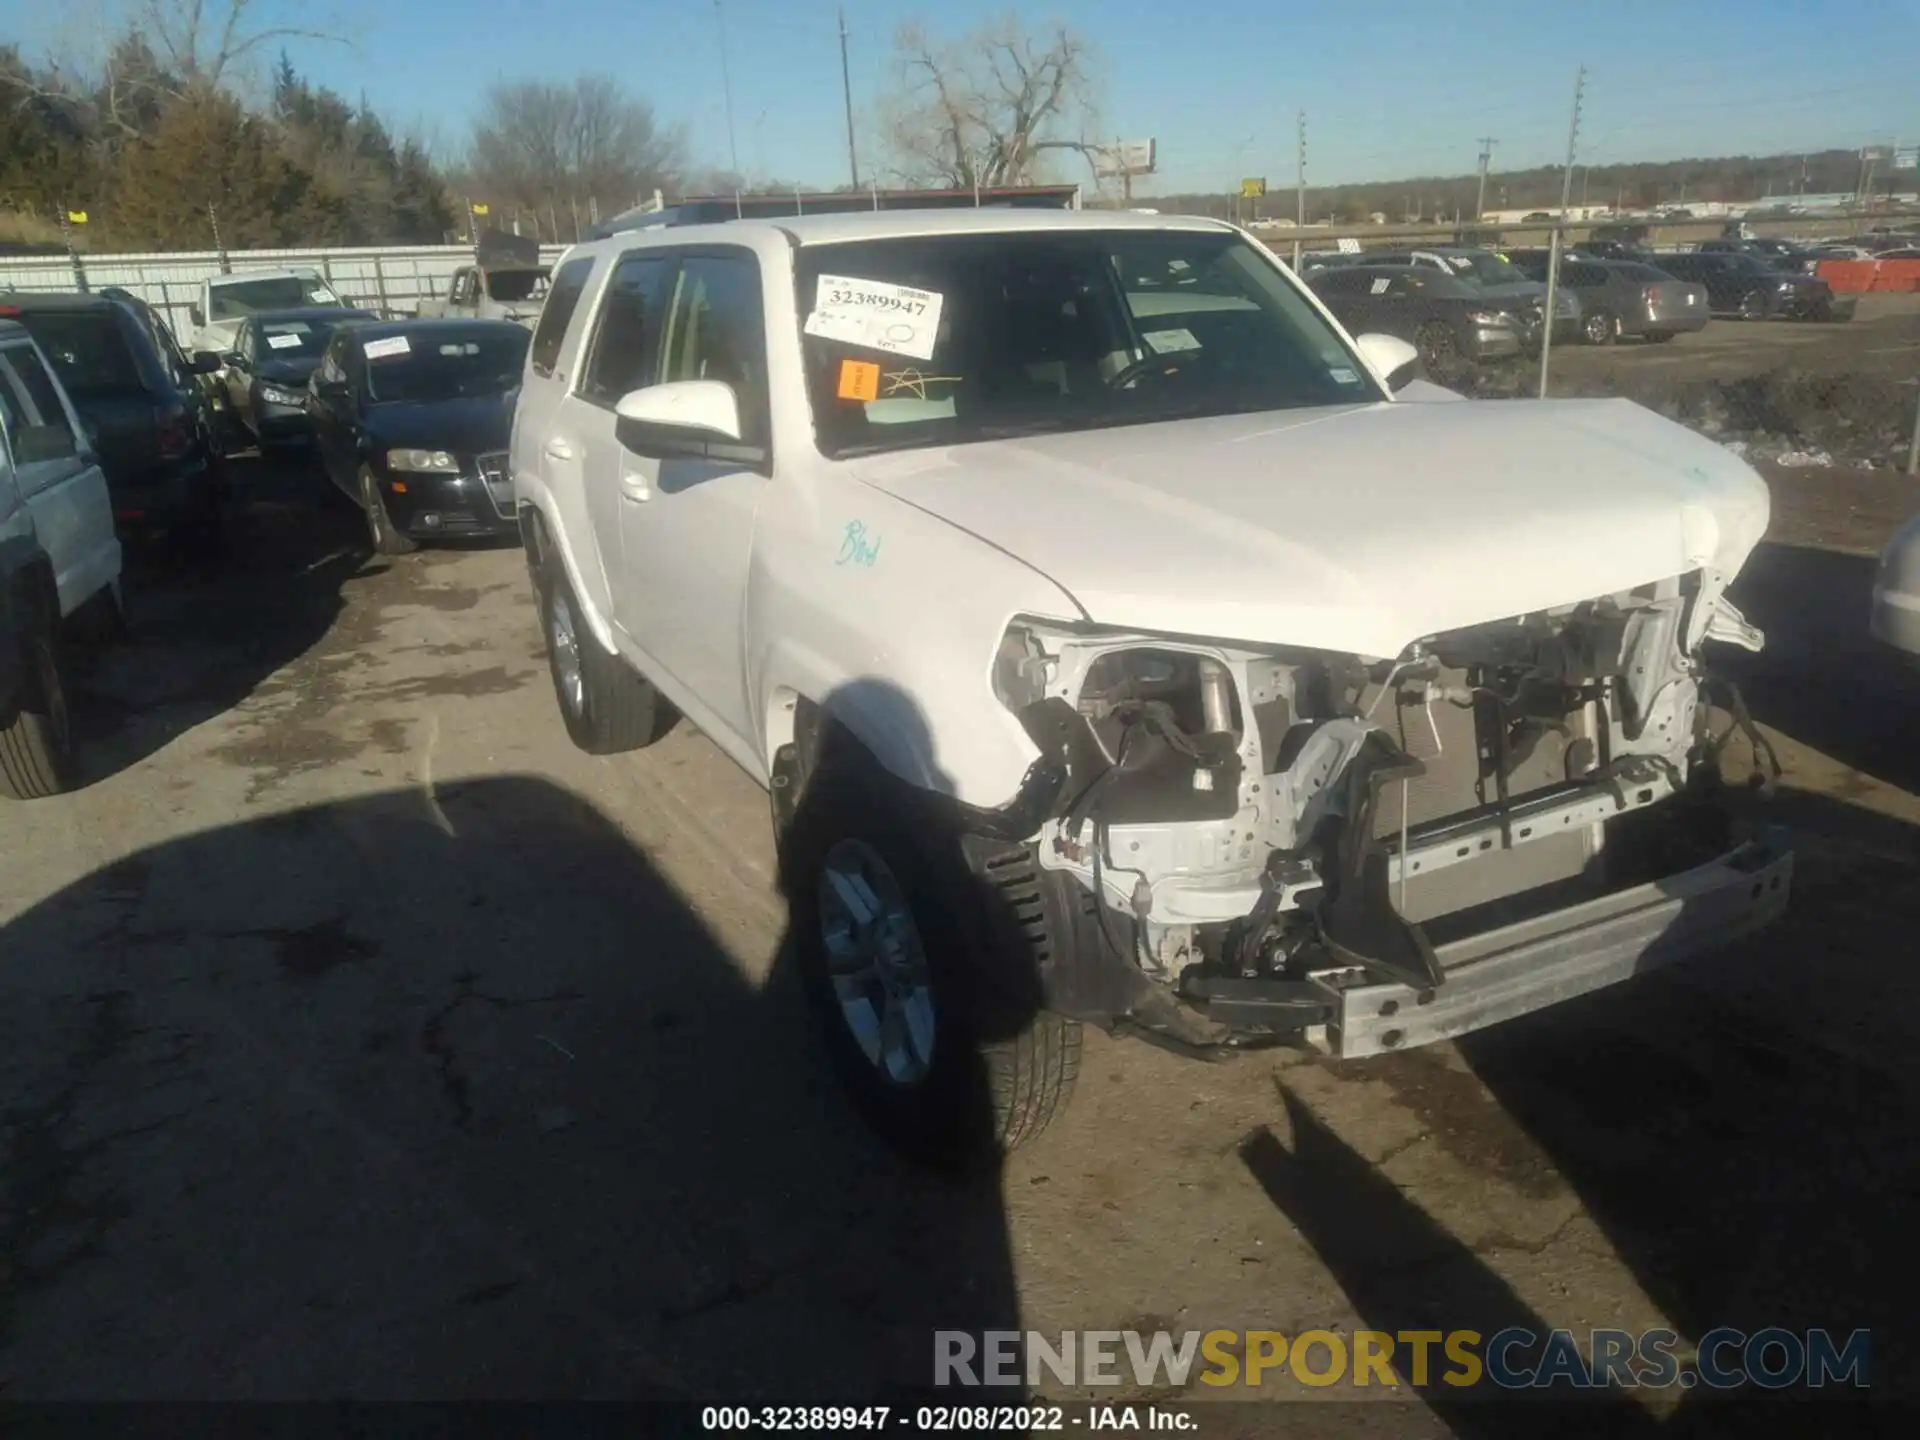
x=636, y=487
x=559, y=450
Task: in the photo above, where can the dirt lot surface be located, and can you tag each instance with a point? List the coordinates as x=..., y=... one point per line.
x=359, y=1037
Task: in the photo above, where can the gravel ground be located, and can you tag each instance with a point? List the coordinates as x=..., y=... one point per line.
x=359, y=1037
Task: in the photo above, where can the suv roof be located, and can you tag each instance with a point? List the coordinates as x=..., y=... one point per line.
x=28, y=300
x=892, y=224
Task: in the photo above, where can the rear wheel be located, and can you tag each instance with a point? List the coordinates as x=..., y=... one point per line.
x=608, y=706
x=36, y=747
x=1657, y=337
x=386, y=539
x=1439, y=349
x=1600, y=328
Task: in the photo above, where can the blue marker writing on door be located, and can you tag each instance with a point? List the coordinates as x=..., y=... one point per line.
x=856, y=548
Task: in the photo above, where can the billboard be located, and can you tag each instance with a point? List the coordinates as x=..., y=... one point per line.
x=1126, y=157
x=1907, y=159
x=1253, y=188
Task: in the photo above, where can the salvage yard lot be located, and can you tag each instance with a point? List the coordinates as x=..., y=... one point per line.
x=358, y=1036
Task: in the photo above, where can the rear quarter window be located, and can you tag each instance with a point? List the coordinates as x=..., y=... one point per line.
x=563, y=299
x=89, y=351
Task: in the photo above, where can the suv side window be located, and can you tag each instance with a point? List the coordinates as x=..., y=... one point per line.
x=562, y=300
x=627, y=331
x=42, y=396
x=716, y=331
x=13, y=416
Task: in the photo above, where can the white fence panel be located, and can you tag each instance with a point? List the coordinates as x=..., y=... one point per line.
x=390, y=280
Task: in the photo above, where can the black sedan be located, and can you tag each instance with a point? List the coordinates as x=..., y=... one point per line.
x=1747, y=286
x=274, y=354
x=412, y=419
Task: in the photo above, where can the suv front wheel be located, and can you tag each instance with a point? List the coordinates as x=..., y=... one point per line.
x=926, y=991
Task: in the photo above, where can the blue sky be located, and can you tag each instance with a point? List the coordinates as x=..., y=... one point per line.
x=1217, y=83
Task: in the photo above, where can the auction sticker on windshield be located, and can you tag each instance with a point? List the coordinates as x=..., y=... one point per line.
x=876, y=316
x=386, y=346
x=284, y=342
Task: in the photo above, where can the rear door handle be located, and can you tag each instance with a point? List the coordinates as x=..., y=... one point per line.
x=636, y=487
x=559, y=450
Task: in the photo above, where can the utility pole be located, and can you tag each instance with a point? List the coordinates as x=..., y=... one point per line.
x=1300, y=206
x=1560, y=230
x=726, y=86
x=846, y=89
x=1487, y=142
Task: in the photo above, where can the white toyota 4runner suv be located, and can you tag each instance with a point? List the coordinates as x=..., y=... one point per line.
x=1121, y=642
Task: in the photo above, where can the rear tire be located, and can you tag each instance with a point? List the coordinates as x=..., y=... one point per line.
x=36, y=747
x=1439, y=350
x=1657, y=337
x=983, y=1069
x=608, y=706
x=1599, y=328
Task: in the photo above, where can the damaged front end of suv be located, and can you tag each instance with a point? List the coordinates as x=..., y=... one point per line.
x=1254, y=843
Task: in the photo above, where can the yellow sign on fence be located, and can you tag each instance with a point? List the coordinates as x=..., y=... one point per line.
x=76, y=217
x=1253, y=189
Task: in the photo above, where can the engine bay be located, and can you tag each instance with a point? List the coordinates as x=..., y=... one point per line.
x=1261, y=811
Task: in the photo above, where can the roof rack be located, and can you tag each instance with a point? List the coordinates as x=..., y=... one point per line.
x=714, y=209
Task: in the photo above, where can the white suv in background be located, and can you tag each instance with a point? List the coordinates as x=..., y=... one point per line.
x=1120, y=643
x=58, y=556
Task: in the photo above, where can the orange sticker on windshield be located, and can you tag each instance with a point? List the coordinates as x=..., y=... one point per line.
x=859, y=380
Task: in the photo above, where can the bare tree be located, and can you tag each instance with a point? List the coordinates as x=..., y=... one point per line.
x=540, y=145
x=980, y=109
x=204, y=41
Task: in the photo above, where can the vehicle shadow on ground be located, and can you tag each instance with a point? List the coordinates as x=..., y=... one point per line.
x=206, y=630
x=1822, y=678
x=1739, y=1129
x=450, y=1096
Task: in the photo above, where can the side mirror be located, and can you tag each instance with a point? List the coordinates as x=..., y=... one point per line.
x=1390, y=357
x=35, y=443
x=196, y=315
x=205, y=362
x=234, y=360
x=685, y=417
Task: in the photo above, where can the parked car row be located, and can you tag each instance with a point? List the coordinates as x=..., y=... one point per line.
x=111, y=435
x=1458, y=304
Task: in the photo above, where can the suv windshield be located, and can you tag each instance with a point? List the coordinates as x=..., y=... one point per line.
x=1028, y=333
x=510, y=287
x=285, y=292
x=88, y=352
x=421, y=369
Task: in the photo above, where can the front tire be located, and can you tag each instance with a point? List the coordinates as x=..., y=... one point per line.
x=380, y=529
x=926, y=998
x=608, y=706
x=1657, y=337
x=36, y=748
x=1753, y=305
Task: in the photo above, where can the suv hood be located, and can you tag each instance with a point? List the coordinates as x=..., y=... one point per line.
x=1356, y=530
